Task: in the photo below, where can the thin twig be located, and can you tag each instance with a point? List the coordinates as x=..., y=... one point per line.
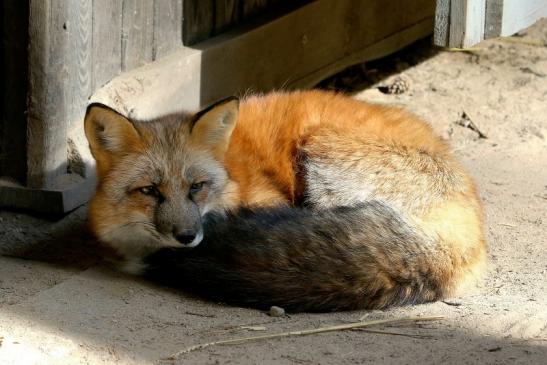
x=233, y=328
x=340, y=327
x=393, y=333
x=200, y=314
x=469, y=50
x=526, y=41
x=507, y=225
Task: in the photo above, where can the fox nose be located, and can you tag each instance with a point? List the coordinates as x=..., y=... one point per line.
x=189, y=238
x=186, y=237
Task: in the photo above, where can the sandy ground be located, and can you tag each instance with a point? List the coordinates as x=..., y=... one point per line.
x=60, y=305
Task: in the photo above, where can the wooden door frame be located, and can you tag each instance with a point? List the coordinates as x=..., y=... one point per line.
x=464, y=23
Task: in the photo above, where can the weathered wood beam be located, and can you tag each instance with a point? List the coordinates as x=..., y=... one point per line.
x=53, y=202
x=295, y=50
x=494, y=16
x=59, y=85
x=137, y=33
x=204, y=19
x=106, y=41
x=441, y=34
x=459, y=23
x=167, y=27
x=48, y=42
x=76, y=46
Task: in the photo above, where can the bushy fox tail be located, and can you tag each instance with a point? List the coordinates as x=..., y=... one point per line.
x=365, y=256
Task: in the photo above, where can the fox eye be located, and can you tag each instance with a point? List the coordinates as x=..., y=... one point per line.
x=150, y=191
x=196, y=187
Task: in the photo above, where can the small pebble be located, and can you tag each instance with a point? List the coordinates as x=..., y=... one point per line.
x=276, y=311
x=453, y=303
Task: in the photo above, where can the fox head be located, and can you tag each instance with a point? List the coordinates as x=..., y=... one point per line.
x=157, y=179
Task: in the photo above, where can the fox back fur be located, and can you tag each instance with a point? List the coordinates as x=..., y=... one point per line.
x=308, y=200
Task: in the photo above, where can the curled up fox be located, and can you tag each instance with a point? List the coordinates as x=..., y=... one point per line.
x=308, y=200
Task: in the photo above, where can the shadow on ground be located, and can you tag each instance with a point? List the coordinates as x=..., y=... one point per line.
x=105, y=316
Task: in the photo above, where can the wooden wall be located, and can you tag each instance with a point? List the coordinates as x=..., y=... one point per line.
x=296, y=50
x=75, y=48
x=206, y=18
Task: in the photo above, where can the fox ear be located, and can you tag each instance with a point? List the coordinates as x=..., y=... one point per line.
x=212, y=127
x=109, y=134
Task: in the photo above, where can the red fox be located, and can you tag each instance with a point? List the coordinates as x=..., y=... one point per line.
x=308, y=200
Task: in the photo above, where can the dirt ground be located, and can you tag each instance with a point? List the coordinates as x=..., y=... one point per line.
x=60, y=305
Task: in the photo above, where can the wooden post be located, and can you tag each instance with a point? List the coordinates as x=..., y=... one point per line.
x=459, y=23
x=137, y=33
x=59, y=85
x=48, y=40
x=494, y=16
x=167, y=27
x=441, y=34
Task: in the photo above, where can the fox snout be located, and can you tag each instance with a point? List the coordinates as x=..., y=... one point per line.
x=181, y=220
x=188, y=237
x=187, y=230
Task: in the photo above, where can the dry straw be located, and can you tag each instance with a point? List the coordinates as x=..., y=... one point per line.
x=340, y=327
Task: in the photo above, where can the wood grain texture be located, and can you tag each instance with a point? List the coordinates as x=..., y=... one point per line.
x=76, y=47
x=295, y=45
x=47, y=129
x=295, y=50
x=470, y=21
x=493, y=17
x=167, y=27
x=378, y=49
x=107, y=30
x=137, y=33
x=78, y=59
x=459, y=23
x=226, y=14
x=206, y=18
x=199, y=19
x=441, y=31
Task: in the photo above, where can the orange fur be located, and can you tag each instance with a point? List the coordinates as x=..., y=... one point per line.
x=264, y=165
x=270, y=130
